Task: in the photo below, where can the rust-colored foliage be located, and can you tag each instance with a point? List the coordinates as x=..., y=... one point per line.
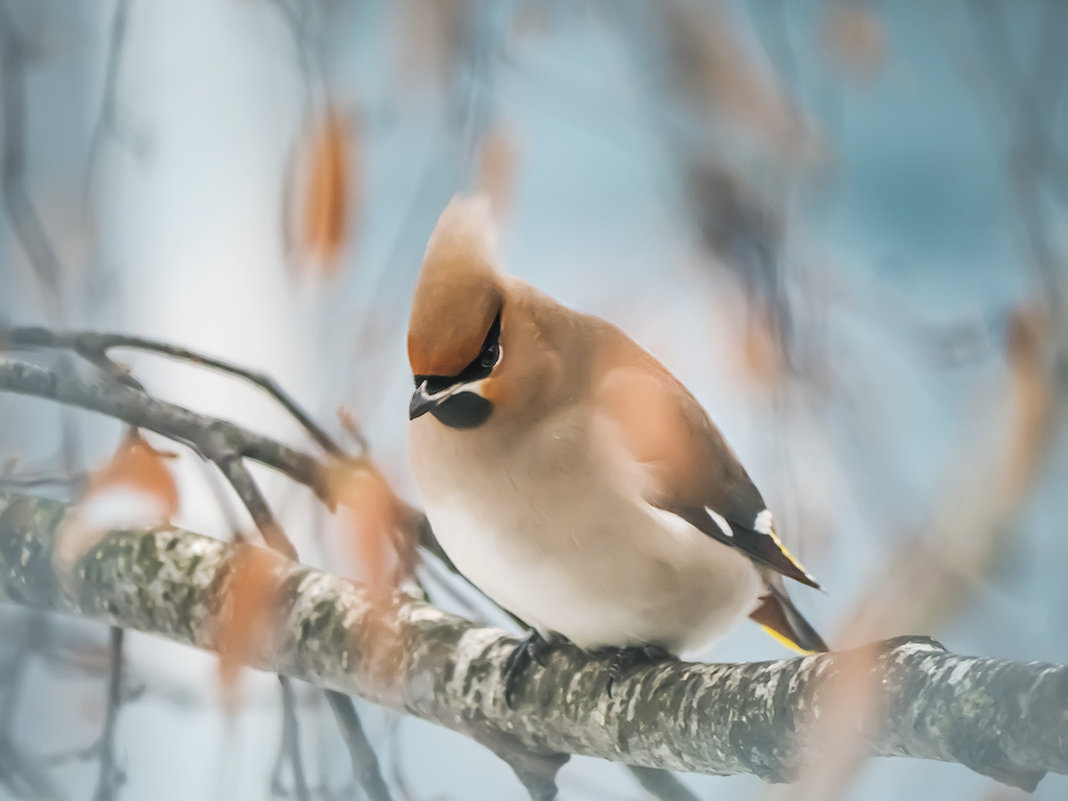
x=350, y=426
x=929, y=578
x=369, y=514
x=497, y=169
x=134, y=487
x=853, y=38
x=140, y=467
x=720, y=75
x=248, y=612
x=327, y=164
x=430, y=39
x=761, y=353
x=1029, y=374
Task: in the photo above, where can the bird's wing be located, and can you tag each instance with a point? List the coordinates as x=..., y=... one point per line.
x=695, y=474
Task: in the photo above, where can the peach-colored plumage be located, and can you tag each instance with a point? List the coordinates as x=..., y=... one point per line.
x=568, y=474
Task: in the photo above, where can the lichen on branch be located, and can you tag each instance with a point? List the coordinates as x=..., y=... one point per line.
x=1001, y=718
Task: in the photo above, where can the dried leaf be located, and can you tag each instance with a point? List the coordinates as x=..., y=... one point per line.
x=719, y=74
x=850, y=703
x=929, y=578
x=369, y=513
x=349, y=425
x=371, y=517
x=497, y=169
x=853, y=38
x=138, y=466
x=247, y=614
x=761, y=353
x=431, y=39
x=1028, y=360
x=326, y=165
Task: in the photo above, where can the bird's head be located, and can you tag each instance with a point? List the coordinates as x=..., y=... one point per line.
x=458, y=312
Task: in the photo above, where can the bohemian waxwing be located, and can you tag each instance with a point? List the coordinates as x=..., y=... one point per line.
x=571, y=477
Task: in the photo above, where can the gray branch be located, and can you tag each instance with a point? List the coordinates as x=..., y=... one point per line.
x=1008, y=720
x=212, y=438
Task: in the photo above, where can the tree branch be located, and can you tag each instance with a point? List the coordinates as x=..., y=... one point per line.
x=1003, y=719
x=170, y=420
x=96, y=347
x=224, y=444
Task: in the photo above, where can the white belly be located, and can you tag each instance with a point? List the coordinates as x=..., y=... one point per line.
x=570, y=547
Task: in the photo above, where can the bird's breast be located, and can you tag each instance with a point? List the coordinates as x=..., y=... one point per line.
x=554, y=527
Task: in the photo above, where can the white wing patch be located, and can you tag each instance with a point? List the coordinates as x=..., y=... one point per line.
x=721, y=521
x=763, y=523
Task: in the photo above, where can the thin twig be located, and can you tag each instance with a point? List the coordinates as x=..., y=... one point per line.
x=225, y=445
x=94, y=347
x=1031, y=144
x=290, y=749
x=167, y=419
x=33, y=480
x=364, y=762
x=25, y=222
x=662, y=784
x=25, y=775
x=237, y=473
x=110, y=777
x=106, y=123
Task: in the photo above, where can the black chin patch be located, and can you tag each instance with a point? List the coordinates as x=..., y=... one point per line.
x=463, y=410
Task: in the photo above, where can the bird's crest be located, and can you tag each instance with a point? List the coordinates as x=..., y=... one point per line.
x=465, y=237
x=459, y=295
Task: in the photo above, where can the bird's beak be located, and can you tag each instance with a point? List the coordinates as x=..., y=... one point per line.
x=421, y=402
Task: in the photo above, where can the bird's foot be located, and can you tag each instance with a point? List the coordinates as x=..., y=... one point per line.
x=532, y=648
x=626, y=660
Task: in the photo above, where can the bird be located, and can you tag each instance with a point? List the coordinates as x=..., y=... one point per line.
x=572, y=478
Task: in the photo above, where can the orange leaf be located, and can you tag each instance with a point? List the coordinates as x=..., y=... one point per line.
x=722, y=75
x=430, y=40
x=324, y=192
x=1028, y=355
x=854, y=40
x=370, y=515
x=247, y=614
x=138, y=466
x=496, y=171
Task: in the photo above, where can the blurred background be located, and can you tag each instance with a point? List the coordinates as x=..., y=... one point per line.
x=841, y=223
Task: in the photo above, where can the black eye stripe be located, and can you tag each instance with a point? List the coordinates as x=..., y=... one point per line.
x=481, y=367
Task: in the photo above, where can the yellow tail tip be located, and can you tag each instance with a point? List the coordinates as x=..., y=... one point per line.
x=783, y=640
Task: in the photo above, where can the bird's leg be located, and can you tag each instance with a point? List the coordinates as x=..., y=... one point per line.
x=533, y=647
x=626, y=660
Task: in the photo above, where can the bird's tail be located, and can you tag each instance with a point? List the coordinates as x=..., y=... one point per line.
x=778, y=616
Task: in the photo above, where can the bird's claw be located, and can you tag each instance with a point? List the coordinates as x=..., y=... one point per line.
x=625, y=660
x=532, y=648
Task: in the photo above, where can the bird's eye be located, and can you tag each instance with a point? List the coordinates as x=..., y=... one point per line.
x=489, y=356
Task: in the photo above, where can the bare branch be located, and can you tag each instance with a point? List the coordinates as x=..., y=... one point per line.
x=22, y=773
x=25, y=222
x=291, y=743
x=364, y=763
x=95, y=347
x=1001, y=718
x=110, y=777
x=223, y=444
x=107, y=120
x=167, y=419
x=662, y=784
